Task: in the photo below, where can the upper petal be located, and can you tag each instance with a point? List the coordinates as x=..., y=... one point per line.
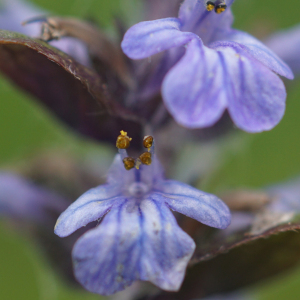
x=118, y=175
x=206, y=24
x=134, y=242
x=147, y=38
x=193, y=89
x=89, y=207
x=258, y=50
x=195, y=7
x=286, y=44
x=255, y=95
x=205, y=208
x=152, y=174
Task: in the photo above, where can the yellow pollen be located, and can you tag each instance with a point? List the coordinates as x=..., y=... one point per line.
x=146, y=158
x=123, y=140
x=128, y=163
x=220, y=8
x=148, y=141
x=210, y=6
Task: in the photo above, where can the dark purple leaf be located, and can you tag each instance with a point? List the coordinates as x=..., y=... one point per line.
x=263, y=246
x=74, y=93
x=98, y=43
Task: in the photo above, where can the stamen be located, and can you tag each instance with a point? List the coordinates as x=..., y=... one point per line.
x=122, y=143
x=148, y=141
x=146, y=158
x=137, y=163
x=210, y=5
x=129, y=163
x=220, y=8
x=152, y=146
x=123, y=140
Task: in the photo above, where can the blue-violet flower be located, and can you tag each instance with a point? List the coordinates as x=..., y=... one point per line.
x=138, y=238
x=14, y=12
x=222, y=68
x=286, y=44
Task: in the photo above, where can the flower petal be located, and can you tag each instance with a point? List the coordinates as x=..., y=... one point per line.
x=258, y=50
x=199, y=87
x=286, y=197
x=118, y=175
x=148, y=38
x=89, y=207
x=193, y=89
x=255, y=95
x=22, y=200
x=135, y=241
x=152, y=174
x=188, y=7
x=206, y=24
x=14, y=12
x=205, y=208
x=286, y=44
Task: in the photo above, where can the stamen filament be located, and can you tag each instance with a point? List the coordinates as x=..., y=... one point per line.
x=123, y=153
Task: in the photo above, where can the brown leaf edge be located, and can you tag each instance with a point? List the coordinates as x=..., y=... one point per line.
x=73, y=92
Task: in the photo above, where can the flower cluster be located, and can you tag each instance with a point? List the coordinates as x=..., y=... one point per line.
x=222, y=68
x=200, y=70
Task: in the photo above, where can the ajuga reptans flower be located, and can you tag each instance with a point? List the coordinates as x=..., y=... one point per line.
x=221, y=69
x=139, y=238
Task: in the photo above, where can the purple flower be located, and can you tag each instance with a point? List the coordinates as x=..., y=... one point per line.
x=138, y=238
x=221, y=69
x=14, y=12
x=22, y=200
x=286, y=44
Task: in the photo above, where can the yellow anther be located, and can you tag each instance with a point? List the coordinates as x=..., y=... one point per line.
x=148, y=141
x=220, y=8
x=128, y=163
x=210, y=5
x=123, y=140
x=146, y=158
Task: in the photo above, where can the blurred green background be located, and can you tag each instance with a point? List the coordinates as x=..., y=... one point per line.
x=27, y=129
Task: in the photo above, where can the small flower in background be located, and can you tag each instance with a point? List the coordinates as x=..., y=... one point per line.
x=14, y=12
x=32, y=209
x=138, y=238
x=221, y=68
x=24, y=201
x=286, y=44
